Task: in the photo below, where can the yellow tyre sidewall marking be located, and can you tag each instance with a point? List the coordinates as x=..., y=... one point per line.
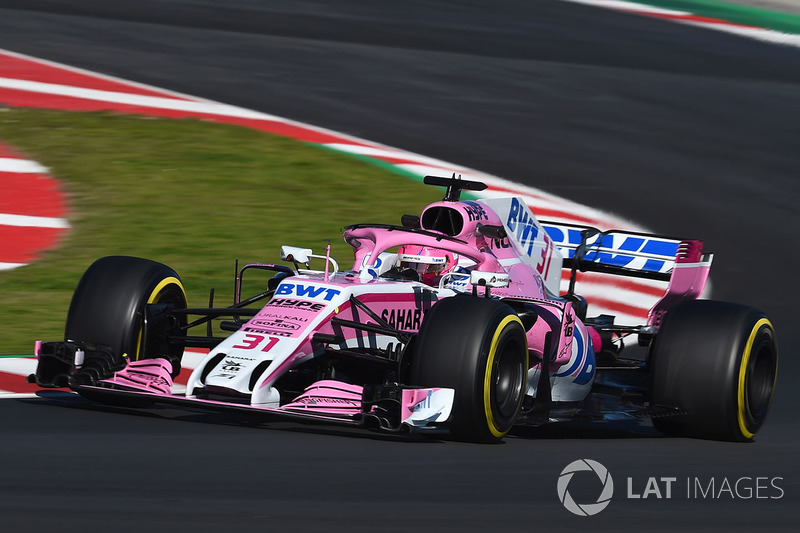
x=152, y=299
x=748, y=349
x=487, y=380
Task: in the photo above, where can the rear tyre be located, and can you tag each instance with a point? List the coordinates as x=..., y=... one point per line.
x=717, y=362
x=108, y=307
x=478, y=347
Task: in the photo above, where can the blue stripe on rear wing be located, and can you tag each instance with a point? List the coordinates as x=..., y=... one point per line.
x=616, y=251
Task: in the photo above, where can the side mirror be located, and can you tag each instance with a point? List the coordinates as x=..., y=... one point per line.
x=296, y=255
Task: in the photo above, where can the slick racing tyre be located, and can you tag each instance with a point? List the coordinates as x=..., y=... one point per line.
x=716, y=362
x=478, y=347
x=108, y=308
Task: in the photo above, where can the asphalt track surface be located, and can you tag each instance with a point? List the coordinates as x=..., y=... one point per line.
x=686, y=131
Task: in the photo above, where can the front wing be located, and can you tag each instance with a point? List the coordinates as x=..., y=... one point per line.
x=392, y=408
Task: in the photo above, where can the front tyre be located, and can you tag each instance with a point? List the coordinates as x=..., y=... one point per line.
x=478, y=347
x=108, y=308
x=716, y=362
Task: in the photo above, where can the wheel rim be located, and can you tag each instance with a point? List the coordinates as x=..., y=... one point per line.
x=170, y=292
x=760, y=379
x=509, y=374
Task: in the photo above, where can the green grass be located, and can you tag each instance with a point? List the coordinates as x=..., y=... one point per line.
x=192, y=194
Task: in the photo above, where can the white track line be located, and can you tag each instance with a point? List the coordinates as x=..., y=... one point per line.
x=629, y=6
x=21, y=166
x=29, y=221
x=137, y=100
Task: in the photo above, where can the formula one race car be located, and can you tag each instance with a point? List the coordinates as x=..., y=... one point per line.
x=451, y=323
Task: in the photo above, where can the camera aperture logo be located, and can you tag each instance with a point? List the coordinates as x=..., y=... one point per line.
x=585, y=509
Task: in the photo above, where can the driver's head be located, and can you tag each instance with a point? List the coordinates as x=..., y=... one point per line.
x=429, y=263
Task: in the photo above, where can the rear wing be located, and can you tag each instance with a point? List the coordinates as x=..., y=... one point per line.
x=680, y=262
x=621, y=252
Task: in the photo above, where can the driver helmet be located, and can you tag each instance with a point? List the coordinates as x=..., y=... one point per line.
x=429, y=263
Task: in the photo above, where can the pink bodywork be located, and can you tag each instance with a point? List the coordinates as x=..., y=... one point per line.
x=329, y=397
x=148, y=375
x=392, y=307
x=689, y=277
x=558, y=318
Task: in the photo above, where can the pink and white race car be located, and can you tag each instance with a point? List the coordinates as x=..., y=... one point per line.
x=451, y=322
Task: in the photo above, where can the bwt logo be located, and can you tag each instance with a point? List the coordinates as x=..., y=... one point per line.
x=619, y=249
x=522, y=226
x=585, y=509
x=307, y=291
